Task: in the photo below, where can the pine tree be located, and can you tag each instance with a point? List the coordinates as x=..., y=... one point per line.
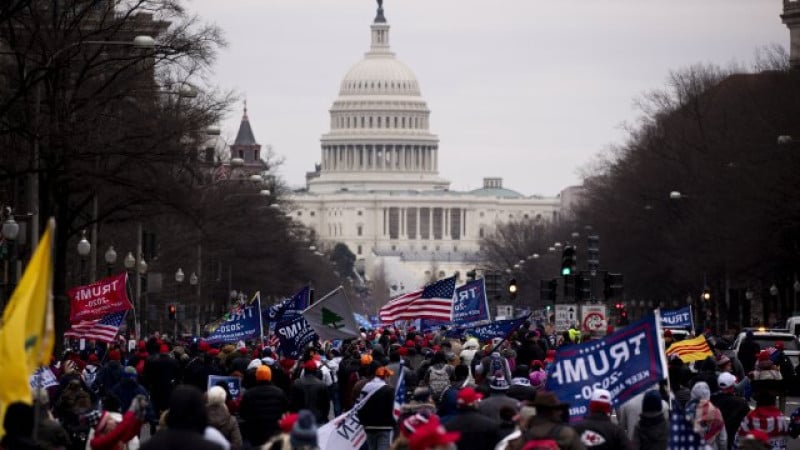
x=330, y=319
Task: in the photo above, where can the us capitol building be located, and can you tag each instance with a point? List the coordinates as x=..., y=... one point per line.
x=378, y=188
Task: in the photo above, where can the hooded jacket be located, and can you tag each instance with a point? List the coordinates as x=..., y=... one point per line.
x=222, y=420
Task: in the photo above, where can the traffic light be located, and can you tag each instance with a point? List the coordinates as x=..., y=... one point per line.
x=593, y=253
x=583, y=287
x=612, y=286
x=172, y=311
x=569, y=260
x=493, y=287
x=512, y=289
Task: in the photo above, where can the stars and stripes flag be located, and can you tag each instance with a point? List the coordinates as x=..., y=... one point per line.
x=104, y=329
x=400, y=392
x=681, y=431
x=434, y=301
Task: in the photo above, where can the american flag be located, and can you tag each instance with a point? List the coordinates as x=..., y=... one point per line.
x=400, y=393
x=681, y=431
x=103, y=330
x=435, y=302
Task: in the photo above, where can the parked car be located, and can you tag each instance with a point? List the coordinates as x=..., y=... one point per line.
x=767, y=338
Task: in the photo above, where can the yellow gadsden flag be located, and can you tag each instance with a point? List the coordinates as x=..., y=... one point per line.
x=689, y=350
x=26, y=332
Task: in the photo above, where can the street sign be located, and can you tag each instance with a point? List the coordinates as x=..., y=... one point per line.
x=593, y=318
x=566, y=315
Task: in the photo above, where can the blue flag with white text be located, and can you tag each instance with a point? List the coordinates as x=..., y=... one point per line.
x=294, y=335
x=626, y=363
x=496, y=329
x=241, y=325
x=470, y=304
x=677, y=318
x=289, y=308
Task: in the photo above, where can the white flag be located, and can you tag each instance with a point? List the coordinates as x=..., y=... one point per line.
x=333, y=316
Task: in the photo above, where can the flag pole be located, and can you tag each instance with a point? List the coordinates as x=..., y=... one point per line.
x=260, y=319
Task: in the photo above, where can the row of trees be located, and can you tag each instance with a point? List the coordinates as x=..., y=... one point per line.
x=98, y=132
x=704, y=192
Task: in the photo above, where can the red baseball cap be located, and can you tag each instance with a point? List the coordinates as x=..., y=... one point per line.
x=430, y=435
x=468, y=396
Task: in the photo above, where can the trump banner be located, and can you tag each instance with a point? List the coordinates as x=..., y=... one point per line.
x=677, y=318
x=470, y=304
x=496, y=329
x=234, y=384
x=294, y=335
x=625, y=363
x=242, y=324
x=289, y=308
x=98, y=299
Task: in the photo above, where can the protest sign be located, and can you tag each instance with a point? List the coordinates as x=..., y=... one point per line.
x=242, y=324
x=43, y=378
x=345, y=432
x=98, y=299
x=234, y=384
x=625, y=363
x=470, y=304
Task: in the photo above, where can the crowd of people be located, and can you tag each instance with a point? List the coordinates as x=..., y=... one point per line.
x=459, y=394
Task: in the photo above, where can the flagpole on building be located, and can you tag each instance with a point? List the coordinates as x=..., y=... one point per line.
x=260, y=318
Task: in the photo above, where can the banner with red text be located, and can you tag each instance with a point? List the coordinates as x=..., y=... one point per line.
x=93, y=301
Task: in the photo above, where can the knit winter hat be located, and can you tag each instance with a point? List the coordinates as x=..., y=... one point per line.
x=701, y=391
x=130, y=372
x=651, y=404
x=600, y=401
x=468, y=397
x=216, y=396
x=304, y=431
x=538, y=377
x=263, y=373
x=764, y=360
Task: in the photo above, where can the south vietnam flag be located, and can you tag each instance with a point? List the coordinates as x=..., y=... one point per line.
x=689, y=350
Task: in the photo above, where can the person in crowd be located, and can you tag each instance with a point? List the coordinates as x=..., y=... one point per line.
x=652, y=430
x=531, y=349
x=113, y=431
x=549, y=423
x=408, y=426
x=596, y=430
x=766, y=370
x=476, y=429
x=733, y=407
x=310, y=392
x=629, y=413
x=748, y=350
x=448, y=402
x=18, y=425
x=376, y=414
x=90, y=371
x=468, y=351
x=706, y=417
x=439, y=375
x=515, y=440
x=128, y=388
x=261, y=408
x=498, y=398
x=521, y=389
x=185, y=423
x=159, y=375
x=49, y=432
x=109, y=374
x=420, y=402
x=73, y=402
x=220, y=418
x=677, y=376
x=281, y=441
x=507, y=424
x=432, y=436
x=766, y=417
x=668, y=339
x=786, y=368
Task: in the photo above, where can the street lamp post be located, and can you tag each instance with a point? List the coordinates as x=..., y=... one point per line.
x=10, y=231
x=111, y=259
x=84, y=248
x=179, y=277
x=193, y=282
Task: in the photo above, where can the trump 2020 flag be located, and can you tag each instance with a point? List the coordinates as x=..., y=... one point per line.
x=496, y=329
x=677, y=318
x=470, y=304
x=626, y=363
x=241, y=325
x=289, y=308
x=333, y=316
x=294, y=335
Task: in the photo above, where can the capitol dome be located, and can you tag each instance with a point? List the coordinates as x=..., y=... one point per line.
x=379, y=75
x=379, y=136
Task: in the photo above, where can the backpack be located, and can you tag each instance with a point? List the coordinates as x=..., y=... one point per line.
x=438, y=380
x=547, y=442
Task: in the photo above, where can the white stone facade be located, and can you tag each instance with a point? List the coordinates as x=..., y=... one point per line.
x=378, y=188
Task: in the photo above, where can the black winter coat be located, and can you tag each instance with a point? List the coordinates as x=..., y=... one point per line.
x=377, y=412
x=478, y=432
x=178, y=440
x=309, y=392
x=733, y=410
x=159, y=377
x=260, y=410
x=610, y=437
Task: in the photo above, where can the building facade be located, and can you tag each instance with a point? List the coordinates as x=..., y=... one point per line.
x=378, y=189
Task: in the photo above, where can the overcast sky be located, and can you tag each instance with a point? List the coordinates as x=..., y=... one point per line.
x=529, y=90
